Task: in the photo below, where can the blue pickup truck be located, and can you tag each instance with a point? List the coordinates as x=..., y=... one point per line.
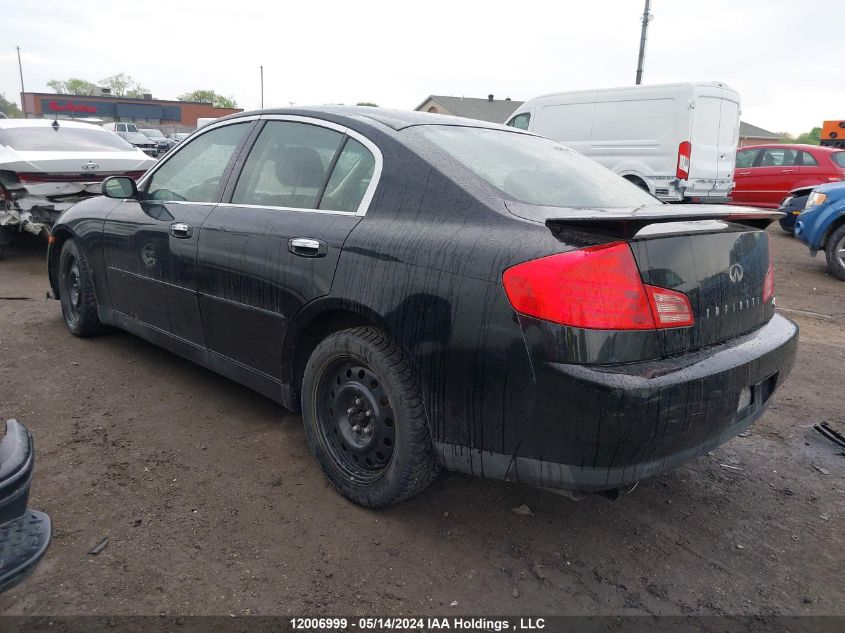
x=821, y=225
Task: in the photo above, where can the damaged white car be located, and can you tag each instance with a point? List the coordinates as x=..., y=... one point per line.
x=47, y=165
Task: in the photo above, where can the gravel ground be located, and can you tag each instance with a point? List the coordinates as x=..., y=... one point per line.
x=212, y=504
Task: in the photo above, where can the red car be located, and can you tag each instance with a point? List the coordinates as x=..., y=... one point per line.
x=764, y=174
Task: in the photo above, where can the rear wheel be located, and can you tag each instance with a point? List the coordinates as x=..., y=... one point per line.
x=364, y=418
x=76, y=290
x=835, y=252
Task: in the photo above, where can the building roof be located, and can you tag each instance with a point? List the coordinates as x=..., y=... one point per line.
x=746, y=130
x=494, y=111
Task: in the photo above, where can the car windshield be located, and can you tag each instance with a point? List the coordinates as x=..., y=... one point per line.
x=535, y=170
x=152, y=133
x=63, y=139
x=838, y=159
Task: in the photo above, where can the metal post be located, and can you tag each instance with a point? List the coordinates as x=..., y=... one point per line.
x=643, y=38
x=262, y=85
x=20, y=70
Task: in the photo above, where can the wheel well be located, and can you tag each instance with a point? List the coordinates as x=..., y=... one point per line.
x=58, y=238
x=833, y=226
x=637, y=181
x=318, y=329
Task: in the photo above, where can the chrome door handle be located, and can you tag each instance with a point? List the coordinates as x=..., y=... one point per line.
x=745, y=173
x=788, y=171
x=181, y=230
x=307, y=247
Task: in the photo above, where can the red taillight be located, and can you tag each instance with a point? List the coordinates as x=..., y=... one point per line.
x=769, y=280
x=597, y=287
x=684, y=155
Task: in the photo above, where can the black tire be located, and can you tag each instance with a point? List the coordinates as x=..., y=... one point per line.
x=835, y=253
x=360, y=378
x=76, y=291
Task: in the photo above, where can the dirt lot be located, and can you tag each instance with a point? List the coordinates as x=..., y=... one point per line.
x=213, y=505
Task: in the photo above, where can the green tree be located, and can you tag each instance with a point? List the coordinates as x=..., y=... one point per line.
x=367, y=103
x=72, y=86
x=209, y=96
x=813, y=137
x=122, y=85
x=9, y=108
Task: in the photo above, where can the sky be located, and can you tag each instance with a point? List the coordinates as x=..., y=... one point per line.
x=783, y=57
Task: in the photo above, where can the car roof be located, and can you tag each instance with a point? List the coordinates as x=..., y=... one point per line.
x=13, y=123
x=394, y=119
x=803, y=146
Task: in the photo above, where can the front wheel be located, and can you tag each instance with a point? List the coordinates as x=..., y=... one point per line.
x=364, y=418
x=835, y=253
x=76, y=292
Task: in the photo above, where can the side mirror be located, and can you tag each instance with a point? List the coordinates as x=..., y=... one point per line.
x=120, y=187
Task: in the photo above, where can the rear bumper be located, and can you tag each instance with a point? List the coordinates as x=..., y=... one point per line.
x=601, y=427
x=24, y=534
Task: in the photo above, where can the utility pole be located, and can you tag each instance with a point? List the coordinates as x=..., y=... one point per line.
x=643, y=37
x=20, y=70
x=262, y=85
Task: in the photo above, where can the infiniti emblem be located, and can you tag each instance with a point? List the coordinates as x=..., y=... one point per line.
x=735, y=273
x=90, y=165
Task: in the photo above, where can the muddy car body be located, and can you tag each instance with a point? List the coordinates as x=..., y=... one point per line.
x=476, y=297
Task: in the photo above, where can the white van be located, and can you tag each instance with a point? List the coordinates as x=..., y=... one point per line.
x=676, y=140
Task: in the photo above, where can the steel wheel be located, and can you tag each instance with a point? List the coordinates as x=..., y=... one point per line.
x=355, y=418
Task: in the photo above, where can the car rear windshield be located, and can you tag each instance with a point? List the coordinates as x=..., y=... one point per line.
x=535, y=170
x=838, y=158
x=63, y=139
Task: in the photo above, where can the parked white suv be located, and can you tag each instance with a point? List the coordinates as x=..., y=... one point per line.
x=678, y=141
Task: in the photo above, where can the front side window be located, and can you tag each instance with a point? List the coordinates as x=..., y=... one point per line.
x=534, y=170
x=193, y=173
x=838, y=159
x=745, y=158
x=779, y=157
x=288, y=165
x=521, y=121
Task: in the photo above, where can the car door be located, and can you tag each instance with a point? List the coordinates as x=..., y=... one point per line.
x=274, y=246
x=811, y=172
x=150, y=244
x=743, y=175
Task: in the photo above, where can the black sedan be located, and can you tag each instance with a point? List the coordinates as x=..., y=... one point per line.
x=433, y=291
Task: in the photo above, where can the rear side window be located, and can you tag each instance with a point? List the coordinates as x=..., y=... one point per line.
x=521, y=121
x=288, y=165
x=350, y=178
x=745, y=158
x=838, y=159
x=807, y=160
x=193, y=173
x=64, y=139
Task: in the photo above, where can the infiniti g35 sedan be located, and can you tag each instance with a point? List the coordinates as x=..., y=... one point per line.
x=437, y=292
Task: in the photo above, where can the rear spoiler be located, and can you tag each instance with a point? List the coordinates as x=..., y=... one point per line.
x=626, y=223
